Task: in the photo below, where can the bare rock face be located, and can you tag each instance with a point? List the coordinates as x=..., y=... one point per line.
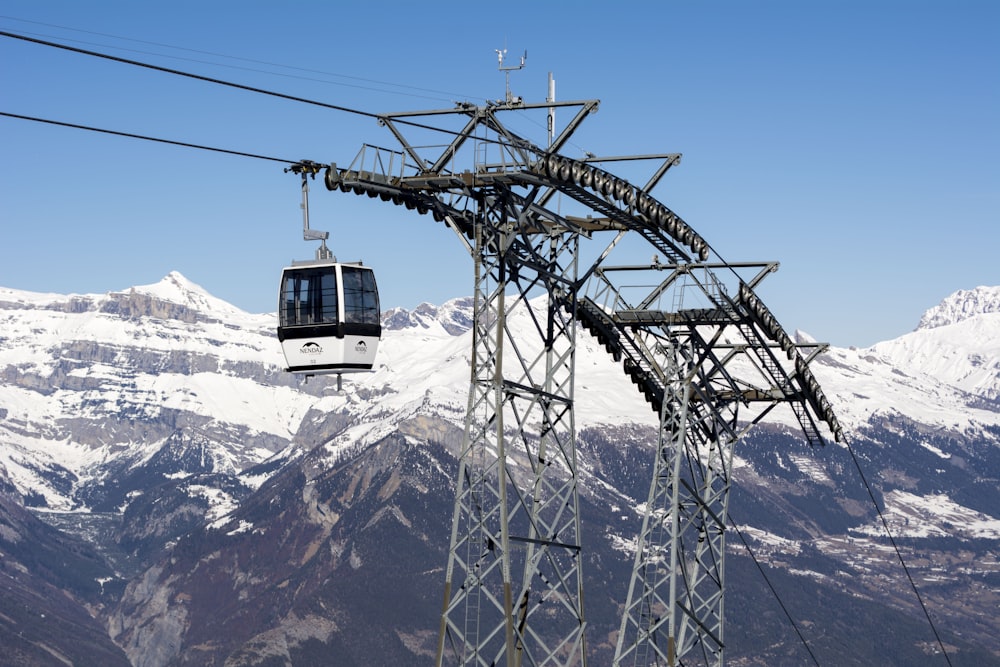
x=152, y=634
x=54, y=591
x=301, y=569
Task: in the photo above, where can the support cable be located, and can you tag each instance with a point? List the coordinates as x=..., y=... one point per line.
x=145, y=138
x=168, y=70
x=760, y=568
x=230, y=84
x=250, y=60
x=899, y=554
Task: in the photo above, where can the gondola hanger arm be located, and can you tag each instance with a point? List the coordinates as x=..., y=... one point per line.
x=308, y=169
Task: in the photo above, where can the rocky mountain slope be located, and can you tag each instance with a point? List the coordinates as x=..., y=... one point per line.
x=224, y=512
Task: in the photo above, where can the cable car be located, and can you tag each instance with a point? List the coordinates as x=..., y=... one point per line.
x=328, y=317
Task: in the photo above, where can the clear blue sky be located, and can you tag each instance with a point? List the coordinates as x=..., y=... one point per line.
x=855, y=142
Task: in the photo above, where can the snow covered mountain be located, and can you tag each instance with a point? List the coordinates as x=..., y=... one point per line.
x=240, y=512
x=955, y=342
x=94, y=385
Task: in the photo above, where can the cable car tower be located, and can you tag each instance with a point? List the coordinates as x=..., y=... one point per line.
x=687, y=328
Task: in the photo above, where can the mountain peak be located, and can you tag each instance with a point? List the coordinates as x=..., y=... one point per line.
x=962, y=305
x=172, y=286
x=454, y=317
x=175, y=288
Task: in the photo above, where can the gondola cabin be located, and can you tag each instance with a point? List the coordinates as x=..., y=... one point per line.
x=328, y=317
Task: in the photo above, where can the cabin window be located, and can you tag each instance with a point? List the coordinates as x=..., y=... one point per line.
x=309, y=297
x=360, y=296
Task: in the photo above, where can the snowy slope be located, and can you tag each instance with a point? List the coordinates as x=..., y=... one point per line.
x=78, y=373
x=87, y=379
x=946, y=373
x=957, y=342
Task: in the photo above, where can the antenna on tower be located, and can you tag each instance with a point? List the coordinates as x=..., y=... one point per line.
x=511, y=100
x=551, y=98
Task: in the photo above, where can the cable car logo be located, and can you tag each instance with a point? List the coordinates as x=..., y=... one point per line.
x=361, y=347
x=311, y=348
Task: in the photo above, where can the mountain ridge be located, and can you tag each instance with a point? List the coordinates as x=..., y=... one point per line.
x=158, y=424
x=962, y=305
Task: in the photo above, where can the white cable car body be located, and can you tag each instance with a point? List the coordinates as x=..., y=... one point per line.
x=328, y=317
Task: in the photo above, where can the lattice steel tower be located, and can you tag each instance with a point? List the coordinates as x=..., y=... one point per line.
x=687, y=328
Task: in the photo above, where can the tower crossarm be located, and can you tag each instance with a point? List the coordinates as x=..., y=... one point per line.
x=808, y=386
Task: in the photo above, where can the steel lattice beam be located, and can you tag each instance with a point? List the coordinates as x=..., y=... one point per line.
x=709, y=369
x=515, y=548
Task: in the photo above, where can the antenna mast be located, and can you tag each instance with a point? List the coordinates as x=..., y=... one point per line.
x=511, y=100
x=552, y=110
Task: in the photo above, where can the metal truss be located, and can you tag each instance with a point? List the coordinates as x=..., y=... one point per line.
x=514, y=586
x=691, y=333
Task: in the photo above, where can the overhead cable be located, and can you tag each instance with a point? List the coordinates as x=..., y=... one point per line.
x=774, y=592
x=146, y=138
x=899, y=554
x=230, y=84
x=189, y=75
x=254, y=61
